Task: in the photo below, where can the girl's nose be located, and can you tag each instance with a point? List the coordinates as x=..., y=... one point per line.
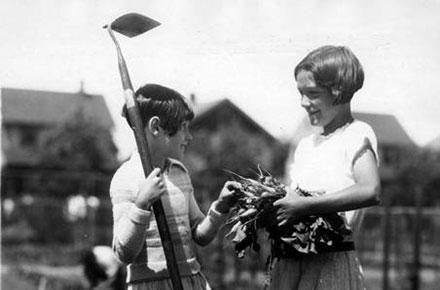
x=305, y=102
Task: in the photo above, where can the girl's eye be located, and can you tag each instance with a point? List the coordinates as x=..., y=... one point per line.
x=310, y=96
x=313, y=96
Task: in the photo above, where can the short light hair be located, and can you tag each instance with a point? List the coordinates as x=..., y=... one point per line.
x=335, y=68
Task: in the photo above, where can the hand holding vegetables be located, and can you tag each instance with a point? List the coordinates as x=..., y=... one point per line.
x=228, y=196
x=291, y=208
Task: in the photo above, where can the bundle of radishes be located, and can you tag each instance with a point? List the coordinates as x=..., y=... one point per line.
x=254, y=210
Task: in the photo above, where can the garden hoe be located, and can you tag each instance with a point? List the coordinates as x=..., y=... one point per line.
x=131, y=25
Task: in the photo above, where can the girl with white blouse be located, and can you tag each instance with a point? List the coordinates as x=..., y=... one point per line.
x=340, y=163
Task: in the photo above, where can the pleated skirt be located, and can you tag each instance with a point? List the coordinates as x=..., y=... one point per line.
x=326, y=271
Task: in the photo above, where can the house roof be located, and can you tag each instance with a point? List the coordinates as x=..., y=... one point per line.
x=205, y=110
x=387, y=128
x=434, y=144
x=46, y=108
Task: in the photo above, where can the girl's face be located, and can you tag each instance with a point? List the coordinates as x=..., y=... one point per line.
x=175, y=145
x=318, y=102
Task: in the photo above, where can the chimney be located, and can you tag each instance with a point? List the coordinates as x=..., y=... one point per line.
x=192, y=99
x=82, y=91
x=81, y=88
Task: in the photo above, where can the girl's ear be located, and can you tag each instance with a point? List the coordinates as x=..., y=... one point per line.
x=337, y=95
x=154, y=125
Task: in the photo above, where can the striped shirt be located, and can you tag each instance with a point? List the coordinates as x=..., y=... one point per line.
x=136, y=239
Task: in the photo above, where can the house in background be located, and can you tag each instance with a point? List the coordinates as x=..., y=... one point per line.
x=226, y=138
x=394, y=144
x=214, y=114
x=26, y=115
x=221, y=115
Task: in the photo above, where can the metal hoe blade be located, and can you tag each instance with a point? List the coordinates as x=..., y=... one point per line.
x=133, y=24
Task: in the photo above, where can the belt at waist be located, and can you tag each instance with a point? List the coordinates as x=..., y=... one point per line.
x=289, y=252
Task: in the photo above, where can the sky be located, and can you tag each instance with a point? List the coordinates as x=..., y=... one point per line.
x=244, y=50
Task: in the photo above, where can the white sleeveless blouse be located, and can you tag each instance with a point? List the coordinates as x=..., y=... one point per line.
x=325, y=163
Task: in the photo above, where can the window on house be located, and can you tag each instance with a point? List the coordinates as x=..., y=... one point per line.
x=28, y=136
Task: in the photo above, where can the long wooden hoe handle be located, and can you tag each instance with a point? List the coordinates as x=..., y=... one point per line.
x=144, y=151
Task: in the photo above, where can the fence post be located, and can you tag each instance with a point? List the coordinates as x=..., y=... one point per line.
x=415, y=279
x=386, y=242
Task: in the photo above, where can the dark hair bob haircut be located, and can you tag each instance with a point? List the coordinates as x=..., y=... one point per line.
x=335, y=68
x=165, y=103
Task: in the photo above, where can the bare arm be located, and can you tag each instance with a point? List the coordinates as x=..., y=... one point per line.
x=205, y=231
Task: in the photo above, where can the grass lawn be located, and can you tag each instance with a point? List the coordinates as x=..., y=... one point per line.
x=27, y=267
x=13, y=281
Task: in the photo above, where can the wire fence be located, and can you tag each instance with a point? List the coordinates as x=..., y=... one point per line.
x=399, y=247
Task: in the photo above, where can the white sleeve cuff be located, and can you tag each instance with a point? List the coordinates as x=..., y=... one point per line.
x=216, y=216
x=139, y=216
